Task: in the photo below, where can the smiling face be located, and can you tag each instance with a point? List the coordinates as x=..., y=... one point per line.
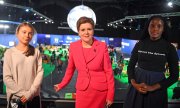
x=24, y=34
x=155, y=29
x=86, y=32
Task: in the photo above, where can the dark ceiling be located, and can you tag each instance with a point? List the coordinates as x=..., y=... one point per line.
x=106, y=11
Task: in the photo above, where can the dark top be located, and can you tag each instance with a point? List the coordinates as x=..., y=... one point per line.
x=153, y=55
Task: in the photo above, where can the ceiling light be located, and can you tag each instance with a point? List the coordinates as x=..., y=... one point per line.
x=27, y=10
x=170, y=4
x=1, y=2
x=4, y=26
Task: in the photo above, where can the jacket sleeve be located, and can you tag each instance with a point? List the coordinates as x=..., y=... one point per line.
x=109, y=75
x=69, y=70
x=133, y=62
x=172, y=60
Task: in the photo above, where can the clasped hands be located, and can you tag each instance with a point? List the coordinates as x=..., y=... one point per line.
x=144, y=88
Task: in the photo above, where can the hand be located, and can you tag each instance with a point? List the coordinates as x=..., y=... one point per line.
x=142, y=87
x=23, y=99
x=153, y=87
x=56, y=88
x=108, y=103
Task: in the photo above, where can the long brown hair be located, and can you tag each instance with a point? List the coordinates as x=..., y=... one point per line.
x=26, y=24
x=31, y=50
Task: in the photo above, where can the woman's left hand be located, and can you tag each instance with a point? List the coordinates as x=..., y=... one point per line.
x=153, y=87
x=56, y=88
x=108, y=103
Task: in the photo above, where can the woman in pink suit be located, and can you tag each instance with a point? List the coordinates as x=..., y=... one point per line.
x=95, y=80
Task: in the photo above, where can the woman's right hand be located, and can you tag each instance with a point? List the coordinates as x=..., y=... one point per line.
x=23, y=99
x=142, y=87
x=56, y=88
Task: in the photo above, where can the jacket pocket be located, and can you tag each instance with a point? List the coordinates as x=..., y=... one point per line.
x=99, y=83
x=82, y=83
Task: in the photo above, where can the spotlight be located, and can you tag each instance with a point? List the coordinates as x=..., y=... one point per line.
x=131, y=20
x=27, y=10
x=170, y=4
x=1, y=2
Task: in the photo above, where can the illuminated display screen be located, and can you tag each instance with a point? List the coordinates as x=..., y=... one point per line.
x=128, y=45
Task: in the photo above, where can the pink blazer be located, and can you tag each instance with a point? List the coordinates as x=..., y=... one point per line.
x=95, y=71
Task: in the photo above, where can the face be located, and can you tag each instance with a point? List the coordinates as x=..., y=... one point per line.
x=156, y=28
x=86, y=32
x=24, y=35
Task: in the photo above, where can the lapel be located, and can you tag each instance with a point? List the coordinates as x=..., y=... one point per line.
x=93, y=51
x=79, y=52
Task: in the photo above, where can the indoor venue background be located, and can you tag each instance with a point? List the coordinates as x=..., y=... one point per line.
x=119, y=23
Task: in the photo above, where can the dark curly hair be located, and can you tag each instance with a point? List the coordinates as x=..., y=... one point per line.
x=165, y=33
